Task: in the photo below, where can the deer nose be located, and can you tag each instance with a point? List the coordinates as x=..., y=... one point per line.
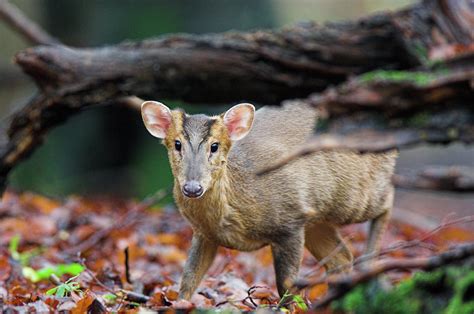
x=192, y=189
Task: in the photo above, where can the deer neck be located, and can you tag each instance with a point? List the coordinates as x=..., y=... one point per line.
x=218, y=202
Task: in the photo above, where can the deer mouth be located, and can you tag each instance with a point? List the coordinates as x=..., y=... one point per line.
x=192, y=195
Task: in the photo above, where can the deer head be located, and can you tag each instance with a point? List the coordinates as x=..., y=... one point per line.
x=198, y=145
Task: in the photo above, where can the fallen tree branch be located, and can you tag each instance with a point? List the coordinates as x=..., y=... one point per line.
x=454, y=178
x=260, y=66
x=339, y=285
x=416, y=242
x=20, y=23
x=305, y=283
x=382, y=111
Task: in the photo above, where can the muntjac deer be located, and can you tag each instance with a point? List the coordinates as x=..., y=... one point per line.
x=214, y=161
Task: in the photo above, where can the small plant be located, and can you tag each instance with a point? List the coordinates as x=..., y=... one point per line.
x=414, y=77
x=447, y=290
x=109, y=298
x=13, y=247
x=289, y=298
x=24, y=257
x=65, y=289
x=44, y=273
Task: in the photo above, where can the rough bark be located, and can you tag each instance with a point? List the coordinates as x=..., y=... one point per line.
x=261, y=66
x=380, y=111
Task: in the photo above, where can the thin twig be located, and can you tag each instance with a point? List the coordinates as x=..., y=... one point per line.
x=380, y=142
x=130, y=296
x=23, y=25
x=55, y=279
x=94, y=277
x=249, y=296
x=128, y=219
x=303, y=284
x=134, y=296
x=127, y=266
x=342, y=284
x=416, y=242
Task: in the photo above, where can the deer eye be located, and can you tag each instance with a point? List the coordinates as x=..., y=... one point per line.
x=214, y=147
x=177, y=145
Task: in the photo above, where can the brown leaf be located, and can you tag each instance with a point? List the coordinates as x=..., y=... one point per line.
x=83, y=304
x=317, y=291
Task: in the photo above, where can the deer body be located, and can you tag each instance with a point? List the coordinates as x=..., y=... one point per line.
x=298, y=205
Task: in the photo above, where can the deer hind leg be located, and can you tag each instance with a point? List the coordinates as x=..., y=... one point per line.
x=378, y=225
x=376, y=230
x=323, y=240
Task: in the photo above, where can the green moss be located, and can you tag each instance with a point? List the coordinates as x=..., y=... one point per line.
x=445, y=291
x=371, y=298
x=463, y=299
x=418, y=78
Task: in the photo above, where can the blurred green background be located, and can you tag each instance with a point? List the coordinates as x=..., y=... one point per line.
x=107, y=150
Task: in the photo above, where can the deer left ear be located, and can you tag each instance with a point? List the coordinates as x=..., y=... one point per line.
x=239, y=120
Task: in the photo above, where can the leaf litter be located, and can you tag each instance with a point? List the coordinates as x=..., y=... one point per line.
x=49, y=263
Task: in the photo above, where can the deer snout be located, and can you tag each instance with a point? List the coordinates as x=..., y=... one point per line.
x=192, y=189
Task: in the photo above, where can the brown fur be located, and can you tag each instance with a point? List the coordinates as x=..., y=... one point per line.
x=301, y=204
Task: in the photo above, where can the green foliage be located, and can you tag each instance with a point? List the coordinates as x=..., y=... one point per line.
x=300, y=302
x=109, y=298
x=371, y=298
x=463, y=299
x=289, y=298
x=447, y=290
x=44, y=273
x=24, y=257
x=13, y=247
x=65, y=289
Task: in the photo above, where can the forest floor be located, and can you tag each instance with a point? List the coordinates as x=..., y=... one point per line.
x=132, y=258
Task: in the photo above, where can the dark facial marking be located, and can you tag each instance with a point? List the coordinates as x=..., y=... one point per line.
x=197, y=128
x=184, y=118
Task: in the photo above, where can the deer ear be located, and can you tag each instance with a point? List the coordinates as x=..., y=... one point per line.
x=157, y=118
x=238, y=120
